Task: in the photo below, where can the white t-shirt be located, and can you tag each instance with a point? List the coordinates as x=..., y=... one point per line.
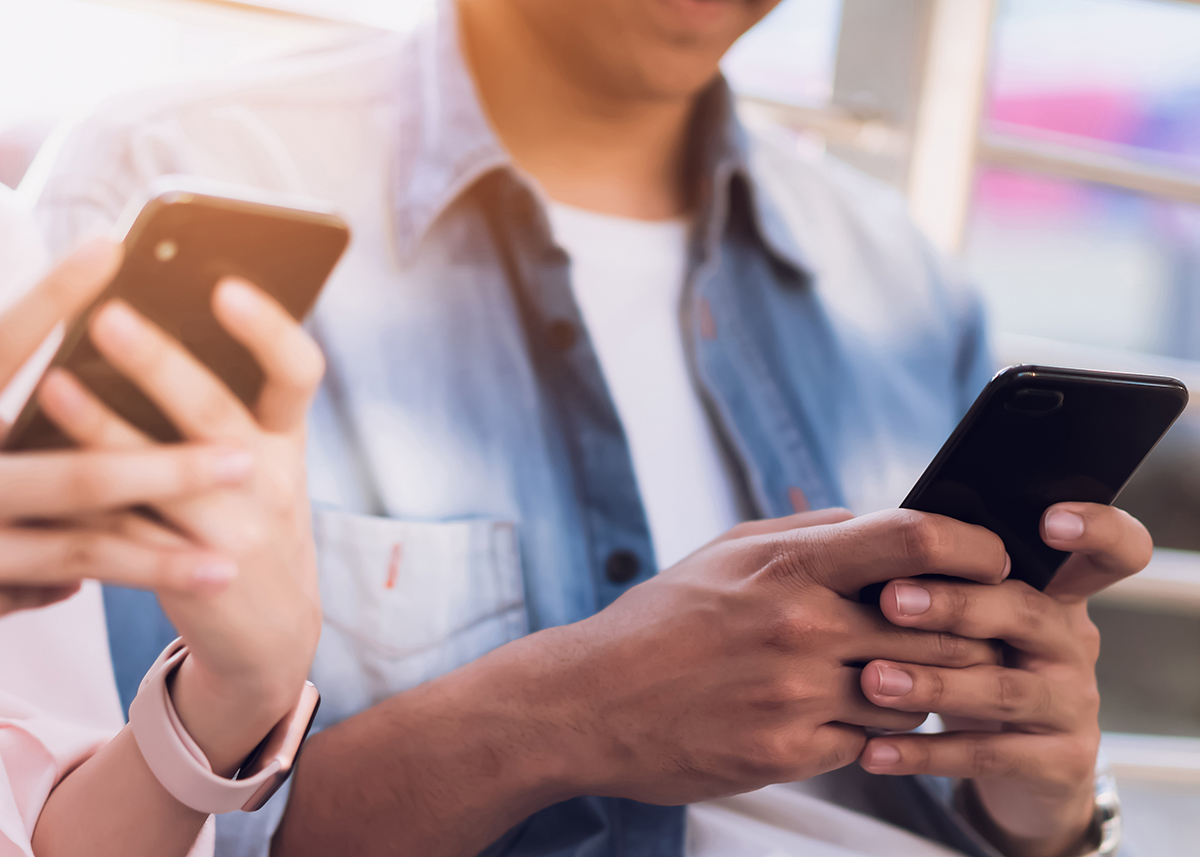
x=627, y=276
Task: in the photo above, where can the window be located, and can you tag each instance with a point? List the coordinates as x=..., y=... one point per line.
x=789, y=57
x=1084, y=262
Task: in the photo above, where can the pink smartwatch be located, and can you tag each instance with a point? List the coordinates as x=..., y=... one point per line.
x=178, y=763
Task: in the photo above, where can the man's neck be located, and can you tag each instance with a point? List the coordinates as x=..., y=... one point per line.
x=587, y=147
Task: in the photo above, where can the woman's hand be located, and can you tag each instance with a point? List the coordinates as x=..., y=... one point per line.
x=1026, y=733
x=251, y=643
x=77, y=499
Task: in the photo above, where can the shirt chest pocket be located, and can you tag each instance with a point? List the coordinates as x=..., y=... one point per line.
x=405, y=602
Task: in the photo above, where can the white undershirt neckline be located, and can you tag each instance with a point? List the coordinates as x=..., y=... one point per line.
x=627, y=276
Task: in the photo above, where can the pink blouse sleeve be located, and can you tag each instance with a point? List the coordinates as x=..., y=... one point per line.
x=58, y=706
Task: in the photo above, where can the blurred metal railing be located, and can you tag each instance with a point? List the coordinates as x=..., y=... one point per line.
x=1069, y=157
x=1025, y=149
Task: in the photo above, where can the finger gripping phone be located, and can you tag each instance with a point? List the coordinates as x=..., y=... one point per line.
x=181, y=244
x=1037, y=436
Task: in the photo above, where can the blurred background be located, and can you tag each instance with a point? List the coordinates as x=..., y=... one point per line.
x=1051, y=148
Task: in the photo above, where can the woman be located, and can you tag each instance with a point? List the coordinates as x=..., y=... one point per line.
x=232, y=565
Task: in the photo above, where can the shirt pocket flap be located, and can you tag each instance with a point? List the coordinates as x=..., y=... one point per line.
x=406, y=601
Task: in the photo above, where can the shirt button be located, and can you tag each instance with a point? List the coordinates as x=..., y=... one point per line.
x=622, y=566
x=560, y=335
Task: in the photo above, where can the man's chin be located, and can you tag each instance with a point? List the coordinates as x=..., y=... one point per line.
x=707, y=16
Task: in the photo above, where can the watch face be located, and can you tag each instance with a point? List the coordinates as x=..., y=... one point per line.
x=260, y=798
x=280, y=748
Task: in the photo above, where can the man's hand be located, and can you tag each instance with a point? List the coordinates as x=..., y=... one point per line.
x=78, y=498
x=252, y=642
x=737, y=668
x=1026, y=733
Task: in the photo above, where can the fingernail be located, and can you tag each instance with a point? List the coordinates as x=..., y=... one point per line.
x=1007, y=567
x=894, y=682
x=215, y=575
x=882, y=756
x=1063, y=526
x=911, y=600
x=120, y=322
x=240, y=297
x=233, y=466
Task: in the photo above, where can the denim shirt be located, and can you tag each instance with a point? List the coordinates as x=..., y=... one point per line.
x=470, y=475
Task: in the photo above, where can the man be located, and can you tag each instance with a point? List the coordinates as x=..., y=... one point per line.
x=587, y=324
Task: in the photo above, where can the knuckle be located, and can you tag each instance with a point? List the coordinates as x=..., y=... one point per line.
x=82, y=553
x=956, y=603
x=255, y=534
x=843, y=753
x=797, y=558
x=770, y=754
x=71, y=280
x=1030, y=609
x=951, y=649
x=779, y=694
x=214, y=408
x=1077, y=762
x=922, y=541
x=310, y=366
x=789, y=631
x=987, y=759
x=934, y=690
x=1089, y=638
x=1118, y=539
x=1089, y=701
x=194, y=470
x=164, y=571
x=87, y=484
x=1011, y=694
x=60, y=288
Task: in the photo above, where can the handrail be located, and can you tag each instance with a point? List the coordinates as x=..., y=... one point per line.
x=1063, y=156
x=1080, y=159
x=1170, y=584
x=1153, y=758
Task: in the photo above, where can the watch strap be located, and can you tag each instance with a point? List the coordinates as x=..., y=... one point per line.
x=177, y=761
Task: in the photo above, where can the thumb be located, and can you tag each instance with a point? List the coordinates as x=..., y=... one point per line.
x=66, y=290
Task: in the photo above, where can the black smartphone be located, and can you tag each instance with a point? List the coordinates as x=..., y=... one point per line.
x=182, y=242
x=1040, y=435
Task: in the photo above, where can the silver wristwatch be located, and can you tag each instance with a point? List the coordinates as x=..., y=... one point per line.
x=1105, y=832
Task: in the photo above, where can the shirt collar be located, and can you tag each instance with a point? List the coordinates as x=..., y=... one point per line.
x=721, y=160
x=445, y=144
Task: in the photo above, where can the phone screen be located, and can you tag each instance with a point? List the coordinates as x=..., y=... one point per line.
x=1037, y=436
x=180, y=246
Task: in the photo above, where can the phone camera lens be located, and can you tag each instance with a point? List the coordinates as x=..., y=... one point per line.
x=1035, y=402
x=166, y=250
